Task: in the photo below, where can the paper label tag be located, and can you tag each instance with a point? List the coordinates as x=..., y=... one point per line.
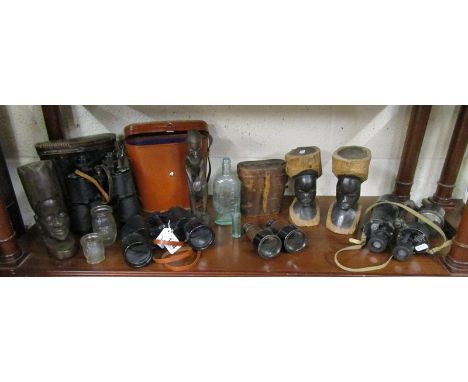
x=421, y=247
x=168, y=235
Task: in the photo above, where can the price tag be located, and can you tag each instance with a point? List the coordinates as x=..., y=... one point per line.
x=168, y=235
x=421, y=247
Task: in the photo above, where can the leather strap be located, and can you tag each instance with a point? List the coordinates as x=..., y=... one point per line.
x=184, y=253
x=362, y=242
x=89, y=178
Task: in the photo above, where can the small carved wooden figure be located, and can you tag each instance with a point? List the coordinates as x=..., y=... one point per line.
x=44, y=194
x=195, y=167
x=303, y=164
x=351, y=166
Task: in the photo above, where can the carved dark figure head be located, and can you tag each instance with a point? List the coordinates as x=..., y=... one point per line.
x=53, y=219
x=194, y=148
x=305, y=186
x=45, y=197
x=348, y=191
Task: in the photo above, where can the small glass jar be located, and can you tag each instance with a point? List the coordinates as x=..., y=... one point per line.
x=93, y=248
x=104, y=223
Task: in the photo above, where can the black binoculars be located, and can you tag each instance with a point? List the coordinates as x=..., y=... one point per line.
x=381, y=227
x=113, y=176
x=138, y=235
x=276, y=236
x=293, y=239
x=136, y=242
x=393, y=227
x=186, y=227
x=414, y=238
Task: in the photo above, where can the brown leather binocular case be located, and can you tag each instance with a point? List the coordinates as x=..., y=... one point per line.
x=156, y=152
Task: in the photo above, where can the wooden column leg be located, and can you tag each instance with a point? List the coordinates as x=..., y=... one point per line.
x=10, y=252
x=53, y=121
x=457, y=258
x=453, y=161
x=410, y=155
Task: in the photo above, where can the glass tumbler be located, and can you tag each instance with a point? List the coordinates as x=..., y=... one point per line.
x=103, y=223
x=93, y=248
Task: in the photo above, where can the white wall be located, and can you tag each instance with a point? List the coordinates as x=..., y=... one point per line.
x=259, y=132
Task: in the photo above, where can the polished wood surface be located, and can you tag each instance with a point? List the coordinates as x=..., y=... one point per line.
x=53, y=121
x=457, y=258
x=410, y=155
x=11, y=254
x=9, y=248
x=453, y=161
x=8, y=194
x=237, y=257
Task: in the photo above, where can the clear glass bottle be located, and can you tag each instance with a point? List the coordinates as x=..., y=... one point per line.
x=104, y=223
x=226, y=194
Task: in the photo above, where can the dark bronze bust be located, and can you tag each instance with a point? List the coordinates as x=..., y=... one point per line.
x=346, y=208
x=351, y=166
x=44, y=194
x=303, y=164
x=195, y=167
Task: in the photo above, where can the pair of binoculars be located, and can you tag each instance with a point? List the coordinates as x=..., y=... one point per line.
x=391, y=227
x=113, y=175
x=138, y=234
x=274, y=237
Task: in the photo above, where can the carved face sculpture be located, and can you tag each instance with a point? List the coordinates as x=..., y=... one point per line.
x=54, y=219
x=348, y=191
x=305, y=185
x=194, y=142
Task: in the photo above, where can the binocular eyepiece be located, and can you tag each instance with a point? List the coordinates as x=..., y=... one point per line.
x=186, y=227
x=293, y=239
x=136, y=242
x=267, y=243
x=414, y=238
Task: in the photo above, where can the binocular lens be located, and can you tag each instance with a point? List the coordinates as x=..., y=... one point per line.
x=138, y=255
x=137, y=250
x=267, y=243
x=136, y=242
x=295, y=241
x=200, y=238
x=402, y=252
x=378, y=243
x=269, y=246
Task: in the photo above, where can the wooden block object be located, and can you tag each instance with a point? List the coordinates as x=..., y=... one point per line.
x=302, y=159
x=262, y=188
x=351, y=160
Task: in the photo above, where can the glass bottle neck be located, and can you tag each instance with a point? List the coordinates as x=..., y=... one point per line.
x=226, y=166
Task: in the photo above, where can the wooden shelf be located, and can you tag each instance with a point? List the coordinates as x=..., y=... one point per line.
x=234, y=257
